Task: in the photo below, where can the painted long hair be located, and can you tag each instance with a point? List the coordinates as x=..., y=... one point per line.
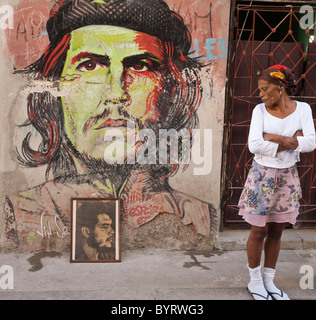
x=178, y=104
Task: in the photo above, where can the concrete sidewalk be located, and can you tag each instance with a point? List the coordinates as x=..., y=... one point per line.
x=292, y=239
x=158, y=274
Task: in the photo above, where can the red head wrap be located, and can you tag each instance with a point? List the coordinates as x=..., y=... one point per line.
x=280, y=75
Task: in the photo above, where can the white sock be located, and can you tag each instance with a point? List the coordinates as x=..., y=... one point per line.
x=276, y=293
x=256, y=286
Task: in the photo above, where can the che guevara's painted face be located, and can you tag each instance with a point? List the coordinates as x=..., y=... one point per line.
x=111, y=75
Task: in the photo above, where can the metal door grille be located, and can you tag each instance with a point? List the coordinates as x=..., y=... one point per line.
x=263, y=36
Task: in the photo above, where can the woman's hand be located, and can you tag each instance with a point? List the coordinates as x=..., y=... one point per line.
x=284, y=143
x=269, y=136
x=298, y=133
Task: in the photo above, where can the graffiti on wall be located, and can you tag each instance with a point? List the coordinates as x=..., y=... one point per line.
x=115, y=90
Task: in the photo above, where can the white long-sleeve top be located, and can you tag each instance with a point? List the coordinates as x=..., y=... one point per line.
x=266, y=151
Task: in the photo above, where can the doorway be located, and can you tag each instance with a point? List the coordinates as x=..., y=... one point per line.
x=263, y=34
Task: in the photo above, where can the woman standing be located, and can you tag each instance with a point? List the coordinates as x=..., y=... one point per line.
x=280, y=129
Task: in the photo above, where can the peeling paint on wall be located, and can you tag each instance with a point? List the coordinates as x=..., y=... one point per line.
x=112, y=98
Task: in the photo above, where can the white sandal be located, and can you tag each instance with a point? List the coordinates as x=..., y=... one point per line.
x=279, y=296
x=254, y=295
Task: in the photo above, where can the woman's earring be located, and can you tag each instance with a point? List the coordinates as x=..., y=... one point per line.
x=280, y=92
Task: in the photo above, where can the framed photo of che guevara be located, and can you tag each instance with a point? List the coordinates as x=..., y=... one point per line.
x=95, y=230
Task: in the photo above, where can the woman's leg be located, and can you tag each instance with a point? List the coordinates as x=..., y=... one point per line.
x=254, y=251
x=272, y=244
x=271, y=252
x=255, y=245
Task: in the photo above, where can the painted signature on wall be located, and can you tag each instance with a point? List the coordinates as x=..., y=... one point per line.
x=52, y=226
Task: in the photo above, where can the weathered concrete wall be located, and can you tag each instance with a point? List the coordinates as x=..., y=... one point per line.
x=179, y=212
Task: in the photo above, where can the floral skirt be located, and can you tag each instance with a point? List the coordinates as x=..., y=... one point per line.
x=270, y=195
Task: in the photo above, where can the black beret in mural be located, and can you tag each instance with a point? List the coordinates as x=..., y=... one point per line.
x=153, y=17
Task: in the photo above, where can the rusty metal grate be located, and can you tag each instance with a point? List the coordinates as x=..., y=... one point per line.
x=263, y=36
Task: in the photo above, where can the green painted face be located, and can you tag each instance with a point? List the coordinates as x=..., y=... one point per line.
x=111, y=75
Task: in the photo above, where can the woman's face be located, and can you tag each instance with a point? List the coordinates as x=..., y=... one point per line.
x=269, y=93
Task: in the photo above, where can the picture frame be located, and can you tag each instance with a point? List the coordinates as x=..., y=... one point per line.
x=95, y=230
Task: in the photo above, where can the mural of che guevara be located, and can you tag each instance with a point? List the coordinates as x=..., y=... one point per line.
x=121, y=65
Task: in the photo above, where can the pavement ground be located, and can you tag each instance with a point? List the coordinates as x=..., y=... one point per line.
x=158, y=274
